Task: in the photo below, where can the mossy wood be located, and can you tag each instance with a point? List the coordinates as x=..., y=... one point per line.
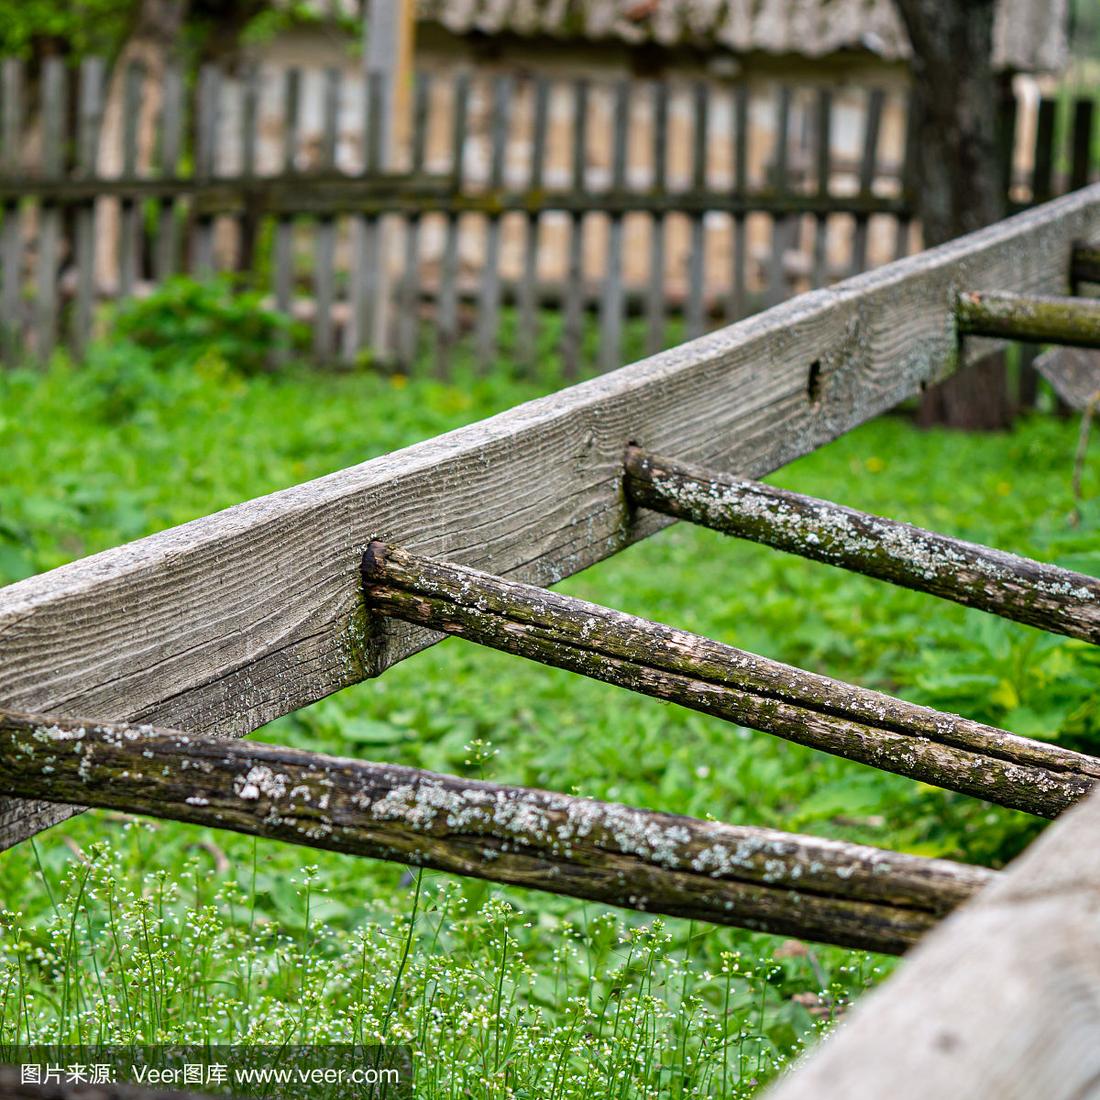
x=1040, y=319
x=717, y=679
x=1010, y=586
x=826, y=890
x=227, y=622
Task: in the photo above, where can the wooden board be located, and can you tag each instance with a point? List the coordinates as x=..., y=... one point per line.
x=998, y=1002
x=225, y=623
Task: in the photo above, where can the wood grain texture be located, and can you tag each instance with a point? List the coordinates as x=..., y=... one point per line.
x=1016, y=588
x=741, y=687
x=222, y=624
x=752, y=877
x=1001, y=1002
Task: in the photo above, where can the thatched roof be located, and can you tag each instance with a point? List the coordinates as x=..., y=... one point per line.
x=1030, y=34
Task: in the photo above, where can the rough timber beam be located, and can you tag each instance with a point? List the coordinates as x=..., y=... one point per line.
x=1007, y=585
x=771, y=881
x=717, y=679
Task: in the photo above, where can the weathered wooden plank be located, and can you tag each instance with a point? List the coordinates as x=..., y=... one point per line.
x=611, y=300
x=11, y=231
x=573, y=320
x=224, y=623
x=171, y=144
x=130, y=210
x=528, y=296
x=448, y=289
x=1042, y=177
x=1046, y=319
x=868, y=166
x=694, y=314
x=998, y=1003
x=90, y=105
x=283, y=259
x=637, y=859
x=488, y=306
x=717, y=679
x=1081, y=155
x=738, y=301
x=1016, y=588
x=324, y=267
x=207, y=127
x=655, y=299
x=408, y=338
x=49, y=216
x=782, y=226
x=248, y=223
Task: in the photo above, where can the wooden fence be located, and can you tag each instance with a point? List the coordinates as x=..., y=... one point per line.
x=663, y=201
x=221, y=625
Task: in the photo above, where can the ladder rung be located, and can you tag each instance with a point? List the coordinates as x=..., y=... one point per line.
x=771, y=881
x=717, y=679
x=1034, y=318
x=1013, y=587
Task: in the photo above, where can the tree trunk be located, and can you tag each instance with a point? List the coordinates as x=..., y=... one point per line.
x=960, y=184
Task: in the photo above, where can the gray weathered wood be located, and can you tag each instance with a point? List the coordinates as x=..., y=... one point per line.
x=998, y=1003
x=283, y=259
x=694, y=314
x=229, y=621
x=248, y=223
x=130, y=210
x=738, y=300
x=324, y=268
x=49, y=216
x=868, y=165
x=207, y=126
x=1016, y=588
x=171, y=143
x=717, y=679
x=11, y=230
x=1046, y=319
x=611, y=300
x=655, y=298
x=448, y=283
x=783, y=228
x=90, y=105
x=488, y=307
x=528, y=297
x=638, y=859
x=573, y=320
x=408, y=338
x=824, y=151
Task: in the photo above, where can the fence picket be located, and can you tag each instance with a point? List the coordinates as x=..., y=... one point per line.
x=489, y=300
x=448, y=284
x=697, y=259
x=1080, y=160
x=867, y=167
x=171, y=142
x=573, y=323
x=130, y=208
x=49, y=213
x=11, y=234
x=824, y=150
x=611, y=302
x=248, y=222
x=284, y=226
x=782, y=225
x=655, y=297
x=409, y=314
x=324, y=268
x=528, y=294
x=738, y=302
x=207, y=118
x=89, y=120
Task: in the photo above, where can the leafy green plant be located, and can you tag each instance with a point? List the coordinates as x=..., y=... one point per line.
x=189, y=320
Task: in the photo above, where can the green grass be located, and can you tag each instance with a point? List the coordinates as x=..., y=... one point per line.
x=154, y=931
